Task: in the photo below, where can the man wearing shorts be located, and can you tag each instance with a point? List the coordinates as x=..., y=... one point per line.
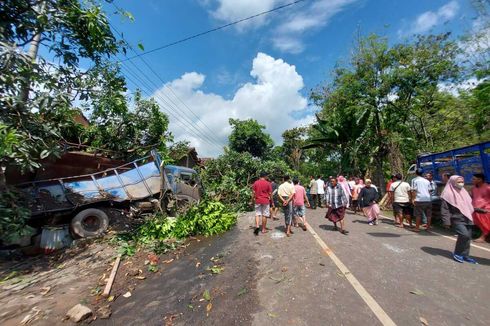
x=262, y=191
x=421, y=199
x=286, y=194
x=299, y=204
x=400, y=197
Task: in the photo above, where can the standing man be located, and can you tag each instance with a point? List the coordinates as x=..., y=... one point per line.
x=313, y=192
x=421, y=200
x=400, y=197
x=320, y=190
x=262, y=191
x=286, y=195
x=481, y=202
x=274, y=200
x=336, y=202
x=299, y=203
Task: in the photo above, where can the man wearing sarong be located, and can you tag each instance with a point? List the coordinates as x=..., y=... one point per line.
x=337, y=201
x=481, y=202
x=368, y=198
x=286, y=195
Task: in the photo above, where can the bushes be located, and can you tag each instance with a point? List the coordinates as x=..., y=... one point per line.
x=13, y=215
x=228, y=178
x=207, y=218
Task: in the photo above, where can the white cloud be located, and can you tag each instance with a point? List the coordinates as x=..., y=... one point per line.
x=429, y=19
x=290, y=31
x=232, y=10
x=271, y=99
x=290, y=24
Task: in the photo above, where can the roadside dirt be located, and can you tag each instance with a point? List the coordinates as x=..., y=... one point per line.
x=40, y=290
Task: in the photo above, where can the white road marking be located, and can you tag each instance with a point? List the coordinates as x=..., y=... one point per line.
x=368, y=299
x=442, y=235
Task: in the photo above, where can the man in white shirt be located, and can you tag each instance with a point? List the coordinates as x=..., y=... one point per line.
x=321, y=190
x=400, y=197
x=421, y=200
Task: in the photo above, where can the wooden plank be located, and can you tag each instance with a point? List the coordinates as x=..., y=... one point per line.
x=108, y=286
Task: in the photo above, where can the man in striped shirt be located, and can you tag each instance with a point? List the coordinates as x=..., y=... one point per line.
x=336, y=203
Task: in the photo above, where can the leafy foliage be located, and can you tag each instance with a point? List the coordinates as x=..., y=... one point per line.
x=228, y=178
x=158, y=233
x=13, y=216
x=387, y=106
x=248, y=136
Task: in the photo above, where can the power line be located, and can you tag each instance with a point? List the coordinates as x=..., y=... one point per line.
x=211, y=139
x=177, y=119
x=213, y=30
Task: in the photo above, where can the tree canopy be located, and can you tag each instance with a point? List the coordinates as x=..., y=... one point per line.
x=248, y=136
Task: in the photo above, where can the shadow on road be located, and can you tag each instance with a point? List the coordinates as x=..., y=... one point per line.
x=385, y=234
x=360, y=221
x=448, y=254
x=327, y=227
x=281, y=228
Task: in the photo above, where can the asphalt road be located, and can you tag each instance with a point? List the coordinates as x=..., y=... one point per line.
x=375, y=275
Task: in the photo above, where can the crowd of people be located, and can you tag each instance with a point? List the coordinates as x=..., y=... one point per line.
x=414, y=200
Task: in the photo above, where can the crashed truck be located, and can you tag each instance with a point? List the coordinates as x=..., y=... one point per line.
x=143, y=185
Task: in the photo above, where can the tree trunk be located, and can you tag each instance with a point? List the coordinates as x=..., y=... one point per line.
x=395, y=157
x=378, y=177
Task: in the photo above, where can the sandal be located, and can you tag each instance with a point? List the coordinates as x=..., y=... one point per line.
x=344, y=232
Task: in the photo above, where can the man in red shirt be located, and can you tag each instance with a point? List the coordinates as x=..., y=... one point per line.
x=262, y=191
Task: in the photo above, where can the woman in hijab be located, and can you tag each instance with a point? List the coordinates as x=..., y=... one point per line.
x=345, y=187
x=367, y=200
x=457, y=210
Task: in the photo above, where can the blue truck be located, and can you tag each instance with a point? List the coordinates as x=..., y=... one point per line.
x=145, y=184
x=463, y=161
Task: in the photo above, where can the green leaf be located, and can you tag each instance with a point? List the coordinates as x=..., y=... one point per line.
x=206, y=295
x=140, y=45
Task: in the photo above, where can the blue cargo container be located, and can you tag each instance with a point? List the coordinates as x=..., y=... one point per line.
x=464, y=161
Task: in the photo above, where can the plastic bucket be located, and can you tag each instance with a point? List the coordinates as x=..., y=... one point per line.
x=55, y=237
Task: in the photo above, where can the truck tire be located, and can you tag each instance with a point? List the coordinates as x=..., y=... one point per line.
x=90, y=222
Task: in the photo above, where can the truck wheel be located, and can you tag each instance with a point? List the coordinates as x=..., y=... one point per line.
x=90, y=222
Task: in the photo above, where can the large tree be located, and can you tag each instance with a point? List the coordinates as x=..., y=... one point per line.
x=36, y=92
x=249, y=136
x=379, y=107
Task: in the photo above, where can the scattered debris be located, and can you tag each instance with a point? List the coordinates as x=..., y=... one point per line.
x=242, y=292
x=417, y=292
x=104, y=312
x=153, y=259
x=168, y=261
x=271, y=314
x=209, y=307
x=206, y=295
x=127, y=294
x=45, y=290
x=31, y=316
x=79, y=313
x=215, y=269
x=278, y=280
x=152, y=268
x=140, y=277
x=108, y=286
x=424, y=321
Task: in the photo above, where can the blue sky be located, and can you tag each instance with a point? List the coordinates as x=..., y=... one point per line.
x=264, y=68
